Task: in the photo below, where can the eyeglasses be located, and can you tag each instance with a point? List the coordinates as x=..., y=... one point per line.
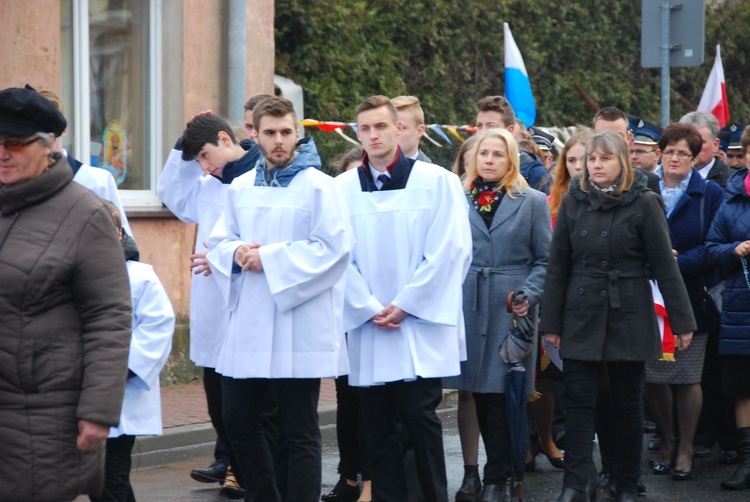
x=17, y=145
x=641, y=152
x=681, y=155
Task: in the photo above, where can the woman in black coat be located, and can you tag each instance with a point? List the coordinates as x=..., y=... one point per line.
x=611, y=233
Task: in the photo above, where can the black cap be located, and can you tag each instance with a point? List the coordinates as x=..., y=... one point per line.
x=24, y=112
x=543, y=139
x=647, y=133
x=730, y=135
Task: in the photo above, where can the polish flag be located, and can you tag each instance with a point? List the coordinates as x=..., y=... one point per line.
x=517, y=83
x=714, y=99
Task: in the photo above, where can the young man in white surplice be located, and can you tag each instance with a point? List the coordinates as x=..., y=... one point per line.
x=404, y=300
x=279, y=255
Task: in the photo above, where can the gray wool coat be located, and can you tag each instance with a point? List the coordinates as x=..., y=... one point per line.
x=596, y=294
x=510, y=255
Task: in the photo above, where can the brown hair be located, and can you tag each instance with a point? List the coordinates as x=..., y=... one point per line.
x=410, y=104
x=253, y=101
x=55, y=98
x=673, y=133
x=745, y=140
x=459, y=168
x=613, y=144
x=114, y=212
x=513, y=181
x=378, y=101
x=498, y=104
x=354, y=154
x=610, y=114
x=275, y=107
x=561, y=175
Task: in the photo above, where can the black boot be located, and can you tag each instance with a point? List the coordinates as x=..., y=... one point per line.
x=498, y=493
x=741, y=477
x=571, y=495
x=627, y=497
x=471, y=486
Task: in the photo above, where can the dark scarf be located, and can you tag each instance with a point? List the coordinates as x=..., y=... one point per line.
x=604, y=199
x=481, y=192
x=399, y=170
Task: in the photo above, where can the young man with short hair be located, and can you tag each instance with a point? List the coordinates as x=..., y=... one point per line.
x=250, y=132
x=193, y=185
x=404, y=299
x=496, y=111
x=411, y=116
x=613, y=120
x=279, y=254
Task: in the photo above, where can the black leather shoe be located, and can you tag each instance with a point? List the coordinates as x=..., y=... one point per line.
x=213, y=474
x=342, y=492
x=654, y=444
x=727, y=457
x=680, y=475
x=498, y=493
x=700, y=451
x=571, y=495
x=626, y=497
x=471, y=487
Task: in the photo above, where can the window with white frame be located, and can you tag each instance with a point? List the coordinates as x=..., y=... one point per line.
x=111, y=86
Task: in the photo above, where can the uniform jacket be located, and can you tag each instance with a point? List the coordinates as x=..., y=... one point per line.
x=687, y=239
x=64, y=334
x=510, y=255
x=730, y=227
x=596, y=293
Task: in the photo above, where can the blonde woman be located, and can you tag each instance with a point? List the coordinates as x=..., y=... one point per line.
x=511, y=231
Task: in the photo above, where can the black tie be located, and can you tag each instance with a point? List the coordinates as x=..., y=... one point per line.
x=383, y=179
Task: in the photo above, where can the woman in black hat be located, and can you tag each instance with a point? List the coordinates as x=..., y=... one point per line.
x=64, y=313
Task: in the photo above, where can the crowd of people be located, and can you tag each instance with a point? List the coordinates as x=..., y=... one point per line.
x=591, y=285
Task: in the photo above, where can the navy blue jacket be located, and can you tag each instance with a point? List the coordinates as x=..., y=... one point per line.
x=534, y=172
x=730, y=227
x=688, y=239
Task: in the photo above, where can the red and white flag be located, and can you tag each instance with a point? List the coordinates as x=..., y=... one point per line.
x=714, y=99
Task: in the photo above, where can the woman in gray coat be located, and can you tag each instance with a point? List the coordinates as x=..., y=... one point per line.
x=511, y=230
x=611, y=233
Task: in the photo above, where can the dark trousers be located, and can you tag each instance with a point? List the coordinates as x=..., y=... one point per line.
x=717, y=421
x=117, y=486
x=296, y=476
x=413, y=405
x=212, y=388
x=581, y=391
x=350, y=431
x=493, y=426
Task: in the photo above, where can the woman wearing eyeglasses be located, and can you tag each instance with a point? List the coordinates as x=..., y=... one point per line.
x=675, y=385
x=64, y=313
x=728, y=247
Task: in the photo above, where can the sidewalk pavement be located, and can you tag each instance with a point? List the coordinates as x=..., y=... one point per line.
x=187, y=428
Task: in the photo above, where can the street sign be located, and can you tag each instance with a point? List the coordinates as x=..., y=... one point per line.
x=687, y=23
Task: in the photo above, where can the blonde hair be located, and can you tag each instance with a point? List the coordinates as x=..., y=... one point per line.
x=612, y=144
x=513, y=181
x=561, y=174
x=54, y=98
x=409, y=104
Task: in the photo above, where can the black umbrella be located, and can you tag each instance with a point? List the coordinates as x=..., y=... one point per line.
x=514, y=350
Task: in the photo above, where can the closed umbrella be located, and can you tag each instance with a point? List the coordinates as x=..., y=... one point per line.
x=514, y=350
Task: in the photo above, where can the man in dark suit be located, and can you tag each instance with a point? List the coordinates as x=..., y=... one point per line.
x=707, y=163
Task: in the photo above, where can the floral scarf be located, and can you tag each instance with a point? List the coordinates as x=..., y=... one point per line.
x=485, y=198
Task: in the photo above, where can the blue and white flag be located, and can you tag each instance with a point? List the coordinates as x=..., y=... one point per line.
x=517, y=83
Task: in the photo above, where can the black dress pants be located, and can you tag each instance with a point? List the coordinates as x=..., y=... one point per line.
x=411, y=404
x=493, y=425
x=212, y=388
x=350, y=431
x=296, y=476
x=581, y=390
x=117, y=486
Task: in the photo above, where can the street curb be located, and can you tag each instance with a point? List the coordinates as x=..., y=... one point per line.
x=186, y=442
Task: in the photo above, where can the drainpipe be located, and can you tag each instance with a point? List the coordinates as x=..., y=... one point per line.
x=236, y=56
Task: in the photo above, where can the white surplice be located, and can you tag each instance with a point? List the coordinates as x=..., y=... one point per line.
x=150, y=343
x=102, y=183
x=195, y=198
x=285, y=322
x=413, y=250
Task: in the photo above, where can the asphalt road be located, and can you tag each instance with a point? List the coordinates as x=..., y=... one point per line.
x=172, y=482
